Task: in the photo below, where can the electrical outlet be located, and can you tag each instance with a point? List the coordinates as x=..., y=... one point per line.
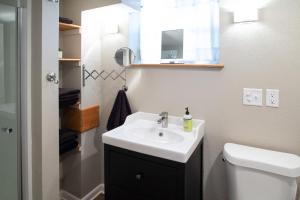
x=272, y=97
x=252, y=97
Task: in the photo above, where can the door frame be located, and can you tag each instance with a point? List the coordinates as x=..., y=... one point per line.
x=27, y=64
x=44, y=99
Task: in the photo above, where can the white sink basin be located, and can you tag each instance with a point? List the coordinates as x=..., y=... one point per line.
x=147, y=130
x=142, y=134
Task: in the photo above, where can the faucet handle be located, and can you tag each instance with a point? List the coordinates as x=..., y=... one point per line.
x=163, y=114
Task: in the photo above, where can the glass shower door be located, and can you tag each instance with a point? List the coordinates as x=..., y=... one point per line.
x=10, y=162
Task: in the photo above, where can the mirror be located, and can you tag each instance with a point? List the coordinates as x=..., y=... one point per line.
x=172, y=44
x=124, y=56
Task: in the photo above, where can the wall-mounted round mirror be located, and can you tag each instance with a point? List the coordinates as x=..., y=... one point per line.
x=124, y=56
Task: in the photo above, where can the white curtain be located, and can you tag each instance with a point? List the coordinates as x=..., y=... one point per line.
x=198, y=18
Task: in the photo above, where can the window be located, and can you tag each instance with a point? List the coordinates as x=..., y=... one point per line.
x=199, y=20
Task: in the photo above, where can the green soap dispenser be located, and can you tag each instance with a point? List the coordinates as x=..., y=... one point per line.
x=187, y=121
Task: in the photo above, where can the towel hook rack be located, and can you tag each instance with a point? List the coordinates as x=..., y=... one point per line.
x=94, y=74
x=125, y=87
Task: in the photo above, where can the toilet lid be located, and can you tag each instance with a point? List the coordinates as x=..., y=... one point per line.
x=271, y=161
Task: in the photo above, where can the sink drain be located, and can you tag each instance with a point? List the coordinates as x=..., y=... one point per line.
x=160, y=134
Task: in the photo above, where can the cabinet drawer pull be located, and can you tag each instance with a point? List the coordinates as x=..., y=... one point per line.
x=138, y=177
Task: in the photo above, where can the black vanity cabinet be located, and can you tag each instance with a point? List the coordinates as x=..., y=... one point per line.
x=134, y=176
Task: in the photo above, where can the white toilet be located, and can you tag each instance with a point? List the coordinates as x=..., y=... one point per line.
x=259, y=174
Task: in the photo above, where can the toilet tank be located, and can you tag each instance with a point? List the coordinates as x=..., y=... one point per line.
x=259, y=174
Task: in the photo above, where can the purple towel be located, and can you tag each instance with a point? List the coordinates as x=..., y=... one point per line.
x=120, y=111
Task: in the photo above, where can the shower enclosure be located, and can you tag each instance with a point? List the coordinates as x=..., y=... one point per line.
x=10, y=146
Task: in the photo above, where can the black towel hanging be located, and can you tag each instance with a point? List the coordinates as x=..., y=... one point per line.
x=120, y=111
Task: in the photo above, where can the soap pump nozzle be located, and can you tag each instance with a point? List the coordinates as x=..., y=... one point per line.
x=187, y=111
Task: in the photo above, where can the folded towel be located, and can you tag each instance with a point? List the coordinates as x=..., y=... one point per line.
x=66, y=135
x=120, y=111
x=68, y=97
x=68, y=146
x=65, y=20
x=66, y=103
x=68, y=91
x=67, y=140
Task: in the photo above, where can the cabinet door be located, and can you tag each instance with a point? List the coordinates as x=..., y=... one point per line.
x=143, y=177
x=118, y=194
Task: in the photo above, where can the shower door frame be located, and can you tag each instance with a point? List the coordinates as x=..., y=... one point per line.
x=24, y=71
x=23, y=8
x=24, y=148
x=23, y=107
x=24, y=100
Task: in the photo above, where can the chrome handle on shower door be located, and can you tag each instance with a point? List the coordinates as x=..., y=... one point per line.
x=8, y=131
x=52, y=77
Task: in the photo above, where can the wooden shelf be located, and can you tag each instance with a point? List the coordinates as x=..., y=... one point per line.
x=66, y=27
x=69, y=59
x=81, y=120
x=178, y=65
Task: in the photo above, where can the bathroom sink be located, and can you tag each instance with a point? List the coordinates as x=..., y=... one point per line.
x=141, y=133
x=147, y=130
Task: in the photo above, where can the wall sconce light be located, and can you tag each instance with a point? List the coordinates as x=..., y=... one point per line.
x=111, y=28
x=245, y=15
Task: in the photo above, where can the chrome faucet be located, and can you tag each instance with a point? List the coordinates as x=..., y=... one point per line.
x=163, y=120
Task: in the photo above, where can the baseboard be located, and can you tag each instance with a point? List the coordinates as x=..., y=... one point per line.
x=64, y=195
x=94, y=193
x=102, y=189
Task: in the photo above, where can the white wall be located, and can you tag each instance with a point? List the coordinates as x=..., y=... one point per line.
x=98, y=54
x=73, y=8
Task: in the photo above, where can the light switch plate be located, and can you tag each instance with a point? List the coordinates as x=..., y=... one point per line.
x=272, y=97
x=252, y=97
